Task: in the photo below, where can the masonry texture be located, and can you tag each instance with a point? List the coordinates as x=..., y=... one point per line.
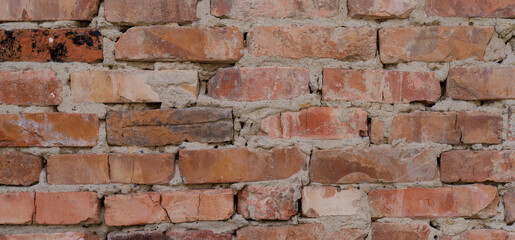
x=257, y=119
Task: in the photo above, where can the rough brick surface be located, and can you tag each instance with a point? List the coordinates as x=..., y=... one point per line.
x=298, y=232
x=164, y=127
x=377, y=135
x=330, y=201
x=373, y=165
x=316, y=123
x=194, y=235
x=51, y=236
x=166, y=43
x=481, y=83
x=511, y=123
x=460, y=201
x=57, y=45
x=477, y=166
x=150, y=12
x=48, y=10
x=16, y=208
x=239, y=165
x=48, y=130
x=297, y=9
x=433, y=44
x=65, y=208
x=380, y=86
x=381, y=8
x=30, y=88
x=78, y=169
x=509, y=207
x=198, y=205
x=483, y=234
x=400, y=231
x=19, y=168
x=474, y=8
x=312, y=42
x=134, y=209
x=154, y=235
x=141, y=168
x=239, y=84
x=267, y=203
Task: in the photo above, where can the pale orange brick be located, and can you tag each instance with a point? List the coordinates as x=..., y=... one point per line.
x=78, y=169
x=134, y=209
x=65, y=208
x=141, y=168
x=16, y=208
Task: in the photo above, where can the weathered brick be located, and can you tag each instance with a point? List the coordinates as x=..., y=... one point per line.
x=468, y=8
x=433, y=44
x=19, y=169
x=65, y=208
x=448, y=127
x=317, y=123
x=381, y=8
x=461, y=201
x=267, y=203
x=481, y=83
x=348, y=44
x=141, y=168
x=473, y=166
x=400, y=231
x=173, y=87
x=377, y=131
x=164, y=127
x=297, y=9
x=134, y=209
x=511, y=123
x=45, y=45
x=198, y=205
x=48, y=10
x=30, y=88
x=78, y=169
x=330, y=201
x=48, y=130
x=372, y=165
x=168, y=43
x=150, y=11
x=239, y=165
x=485, y=234
x=239, y=84
x=297, y=232
x=51, y=236
x=380, y=86
x=16, y=208
x=196, y=235
x=509, y=207
x=154, y=235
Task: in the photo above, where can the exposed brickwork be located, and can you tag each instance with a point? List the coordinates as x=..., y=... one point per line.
x=30, y=88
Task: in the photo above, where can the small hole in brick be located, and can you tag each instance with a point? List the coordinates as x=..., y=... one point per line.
x=216, y=147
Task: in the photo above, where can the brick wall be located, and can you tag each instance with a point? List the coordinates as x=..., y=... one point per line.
x=257, y=119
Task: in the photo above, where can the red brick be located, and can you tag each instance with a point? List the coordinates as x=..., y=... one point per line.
x=150, y=11
x=468, y=8
x=65, y=208
x=316, y=123
x=486, y=234
x=119, y=86
x=168, y=43
x=57, y=45
x=239, y=84
x=348, y=44
x=509, y=207
x=473, y=166
x=171, y=126
x=198, y=205
x=461, y=201
x=19, y=169
x=16, y=208
x=78, y=169
x=141, y=168
x=380, y=86
x=481, y=83
x=448, y=127
x=400, y=231
x=381, y=8
x=239, y=165
x=330, y=201
x=48, y=10
x=48, y=130
x=51, y=236
x=134, y=209
x=267, y=203
x=433, y=44
x=196, y=235
x=377, y=131
x=297, y=232
x=252, y=9
x=30, y=88
x=373, y=165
